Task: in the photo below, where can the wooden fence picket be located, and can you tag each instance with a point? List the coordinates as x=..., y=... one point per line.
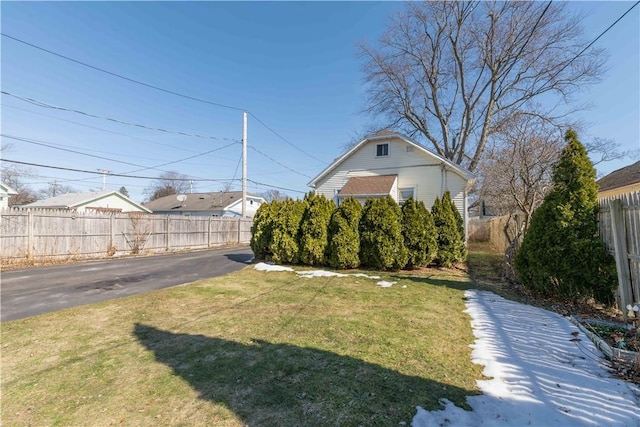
x=34, y=235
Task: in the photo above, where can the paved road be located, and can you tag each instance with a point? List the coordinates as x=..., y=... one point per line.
x=32, y=291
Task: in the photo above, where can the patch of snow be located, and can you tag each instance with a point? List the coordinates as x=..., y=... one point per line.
x=366, y=276
x=261, y=266
x=385, y=284
x=319, y=273
x=539, y=377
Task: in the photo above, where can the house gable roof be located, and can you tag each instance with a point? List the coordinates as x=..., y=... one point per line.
x=387, y=135
x=5, y=189
x=368, y=186
x=620, y=178
x=74, y=200
x=198, y=202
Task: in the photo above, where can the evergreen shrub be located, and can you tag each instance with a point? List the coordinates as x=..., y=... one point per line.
x=381, y=242
x=314, y=229
x=284, y=245
x=419, y=233
x=344, y=238
x=262, y=230
x=448, y=235
x=561, y=254
x=460, y=245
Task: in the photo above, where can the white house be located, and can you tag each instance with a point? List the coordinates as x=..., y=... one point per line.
x=5, y=193
x=388, y=163
x=102, y=201
x=221, y=204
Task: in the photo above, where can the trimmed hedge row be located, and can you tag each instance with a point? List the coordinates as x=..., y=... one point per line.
x=380, y=235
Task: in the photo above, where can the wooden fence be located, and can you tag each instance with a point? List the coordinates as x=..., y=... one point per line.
x=620, y=231
x=492, y=230
x=30, y=235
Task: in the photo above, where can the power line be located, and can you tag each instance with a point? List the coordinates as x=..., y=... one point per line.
x=277, y=162
x=166, y=91
x=285, y=139
x=276, y=187
x=144, y=177
x=593, y=41
x=123, y=77
x=45, y=144
x=112, y=174
x=46, y=105
x=54, y=107
x=97, y=128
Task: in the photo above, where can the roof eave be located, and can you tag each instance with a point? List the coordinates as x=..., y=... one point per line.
x=468, y=175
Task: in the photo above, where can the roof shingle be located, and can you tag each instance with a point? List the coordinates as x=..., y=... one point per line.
x=369, y=185
x=625, y=176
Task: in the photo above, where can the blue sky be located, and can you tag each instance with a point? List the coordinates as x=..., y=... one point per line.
x=292, y=65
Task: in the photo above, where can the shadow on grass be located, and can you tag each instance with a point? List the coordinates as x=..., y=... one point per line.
x=280, y=384
x=461, y=285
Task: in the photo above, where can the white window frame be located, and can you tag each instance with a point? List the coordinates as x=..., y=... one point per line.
x=378, y=149
x=401, y=199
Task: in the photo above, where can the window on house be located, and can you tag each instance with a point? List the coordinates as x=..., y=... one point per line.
x=382, y=150
x=406, y=194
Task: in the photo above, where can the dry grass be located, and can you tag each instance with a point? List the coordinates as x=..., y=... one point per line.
x=249, y=348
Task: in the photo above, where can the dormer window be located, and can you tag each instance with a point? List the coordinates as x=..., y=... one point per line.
x=382, y=150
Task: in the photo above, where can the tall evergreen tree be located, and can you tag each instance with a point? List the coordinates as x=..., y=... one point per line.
x=262, y=230
x=344, y=238
x=284, y=245
x=314, y=229
x=419, y=233
x=460, y=246
x=561, y=254
x=381, y=243
x=448, y=236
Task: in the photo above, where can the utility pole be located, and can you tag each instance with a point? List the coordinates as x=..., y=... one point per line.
x=244, y=164
x=104, y=177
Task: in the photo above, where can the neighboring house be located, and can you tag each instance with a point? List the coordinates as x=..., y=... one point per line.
x=388, y=163
x=5, y=193
x=102, y=201
x=221, y=204
x=621, y=181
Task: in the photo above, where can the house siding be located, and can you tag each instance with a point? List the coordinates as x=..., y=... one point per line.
x=111, y=202
x=414, y=169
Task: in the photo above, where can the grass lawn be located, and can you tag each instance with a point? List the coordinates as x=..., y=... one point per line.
x=250, y=348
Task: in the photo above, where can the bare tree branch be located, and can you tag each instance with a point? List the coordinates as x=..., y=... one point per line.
x=449, y=71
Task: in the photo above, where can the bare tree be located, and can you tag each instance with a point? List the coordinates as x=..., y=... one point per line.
x=54, y=189
x=602, y=150
x=273, y=194
x=454, y=72
x=168, y=183
x=13, y=177
x=515, y=173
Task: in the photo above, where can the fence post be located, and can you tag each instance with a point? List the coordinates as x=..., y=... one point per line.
x=112, y=235
x=209, y=232
x=622, y=260
x=29, y=233
x=239, y=229
x=168, y=247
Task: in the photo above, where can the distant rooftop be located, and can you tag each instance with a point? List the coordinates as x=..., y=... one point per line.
x=620, y=178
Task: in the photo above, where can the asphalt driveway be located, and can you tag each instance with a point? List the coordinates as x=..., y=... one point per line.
x=32, y=291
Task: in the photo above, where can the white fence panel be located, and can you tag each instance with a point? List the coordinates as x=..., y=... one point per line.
x=35, y=235
x=627, y=230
